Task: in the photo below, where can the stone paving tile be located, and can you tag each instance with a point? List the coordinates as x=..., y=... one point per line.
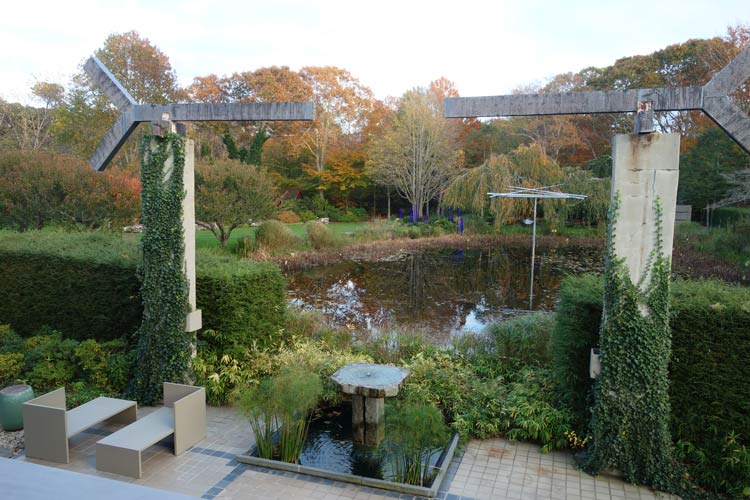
x=492, y=469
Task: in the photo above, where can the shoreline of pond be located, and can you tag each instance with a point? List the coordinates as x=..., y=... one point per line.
x=384, y=249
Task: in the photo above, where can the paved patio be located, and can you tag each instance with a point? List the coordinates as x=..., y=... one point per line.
x=489, y=469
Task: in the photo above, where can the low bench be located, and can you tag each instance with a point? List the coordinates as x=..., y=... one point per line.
x=48, y=425
x=183, y=414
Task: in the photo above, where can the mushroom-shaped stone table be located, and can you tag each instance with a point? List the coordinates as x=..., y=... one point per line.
x=369, y=384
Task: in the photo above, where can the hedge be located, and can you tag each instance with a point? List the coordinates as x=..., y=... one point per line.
x=86, y=285
x=710, y=347
x=708, y=372
x=727, y=216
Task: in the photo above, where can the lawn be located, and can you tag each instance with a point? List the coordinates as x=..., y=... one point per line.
x=206, y=239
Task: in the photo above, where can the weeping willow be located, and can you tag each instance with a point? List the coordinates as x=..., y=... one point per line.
x=592, y=210
x=526, y=166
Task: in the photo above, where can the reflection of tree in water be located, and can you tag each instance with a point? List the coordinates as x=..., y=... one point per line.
x=438, y=290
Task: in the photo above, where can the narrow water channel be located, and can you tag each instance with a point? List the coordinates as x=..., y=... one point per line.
x=441, y=293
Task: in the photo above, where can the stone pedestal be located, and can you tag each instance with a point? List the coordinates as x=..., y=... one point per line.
x=644, y=167
x=369, y=384
x=368, y=420
x=194, y=320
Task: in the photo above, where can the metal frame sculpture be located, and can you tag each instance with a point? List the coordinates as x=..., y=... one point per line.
x=536, y=193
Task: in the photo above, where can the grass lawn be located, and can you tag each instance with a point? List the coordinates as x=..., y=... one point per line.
x=206, y=239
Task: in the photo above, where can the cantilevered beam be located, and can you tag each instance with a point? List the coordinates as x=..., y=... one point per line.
x=712, y=99
x=134, y=113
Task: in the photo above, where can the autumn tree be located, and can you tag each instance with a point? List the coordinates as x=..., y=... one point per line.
x=527, y=166
x=416, y=154
x=228, y=194
x=342, y=105
x=86, y=113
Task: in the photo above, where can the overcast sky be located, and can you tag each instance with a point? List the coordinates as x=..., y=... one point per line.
x=485, y=47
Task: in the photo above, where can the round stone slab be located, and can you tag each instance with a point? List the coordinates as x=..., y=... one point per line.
x=370, y=380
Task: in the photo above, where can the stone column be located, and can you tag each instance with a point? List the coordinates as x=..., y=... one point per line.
x=194, y=319
x=644, y=167
x=368, y=420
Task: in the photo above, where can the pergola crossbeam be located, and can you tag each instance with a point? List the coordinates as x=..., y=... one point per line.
x=712, y=99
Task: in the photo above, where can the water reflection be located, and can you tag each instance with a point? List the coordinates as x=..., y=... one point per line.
x=442, y=292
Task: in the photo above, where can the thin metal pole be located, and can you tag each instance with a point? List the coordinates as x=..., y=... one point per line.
x=533, y=256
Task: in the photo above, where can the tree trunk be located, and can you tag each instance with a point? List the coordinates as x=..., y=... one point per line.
x=388, y=193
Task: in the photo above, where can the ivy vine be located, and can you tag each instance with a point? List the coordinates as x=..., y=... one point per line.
x=630, y=424
x=163, y=351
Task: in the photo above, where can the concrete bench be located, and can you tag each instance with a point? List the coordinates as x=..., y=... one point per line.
x=48, y=426
x=183, y=414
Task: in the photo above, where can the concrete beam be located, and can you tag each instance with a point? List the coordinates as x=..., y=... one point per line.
x=112, y=141
x=730, y=77
x=730, y=119
x=109, y=84
x=197, y=112
x=571, y=103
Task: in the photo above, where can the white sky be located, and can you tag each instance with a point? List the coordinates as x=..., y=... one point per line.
x=485, y=47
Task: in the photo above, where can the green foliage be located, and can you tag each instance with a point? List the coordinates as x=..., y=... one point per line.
x=274, y=236
x=441, y=380
x=163, y=346
x=702, y=165
x=219, y=374
x=729, y=216
x=287, y=400
x=523, y=341
x=414, y=430
x=41, y=189
x=523, y=409
x=11, y=367
x=630, y=424
x=707, y=371
x=229, y=194
x=319, y=235
x=47, y=361
x=50, y=360
x=244, y=301
x=313, y=357
x=576, y=331
x=50, y=277
x=721, y=463
x=84, y=284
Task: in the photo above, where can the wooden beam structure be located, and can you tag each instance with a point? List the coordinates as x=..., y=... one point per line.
x=133, y=113
x=713, y=99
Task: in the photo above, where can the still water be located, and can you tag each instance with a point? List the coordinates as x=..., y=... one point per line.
x=442, y=292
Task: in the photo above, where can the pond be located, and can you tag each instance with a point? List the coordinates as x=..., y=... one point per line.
x=441, y=293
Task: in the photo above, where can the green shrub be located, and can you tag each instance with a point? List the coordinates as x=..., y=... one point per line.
x=83, y=284
x=275, y=236
x=523, y=341
x=87, y=286
x=311, y=356
x=50, y=360
x=523, y=410
x=439, y=379
x=287, y=400
x=319, y=235
x=10, y=341
x=245, y=301
x=708, y=371
x=576, y=332
x=413, y=432
x=11, y=367
x=728, y=216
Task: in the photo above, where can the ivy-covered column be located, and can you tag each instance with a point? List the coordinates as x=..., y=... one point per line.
x=163, y=351
x=630, y=424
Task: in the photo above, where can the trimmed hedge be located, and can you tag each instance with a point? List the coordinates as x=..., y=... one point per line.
x=727, y=216
x=708, y=371
x=86, y=285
